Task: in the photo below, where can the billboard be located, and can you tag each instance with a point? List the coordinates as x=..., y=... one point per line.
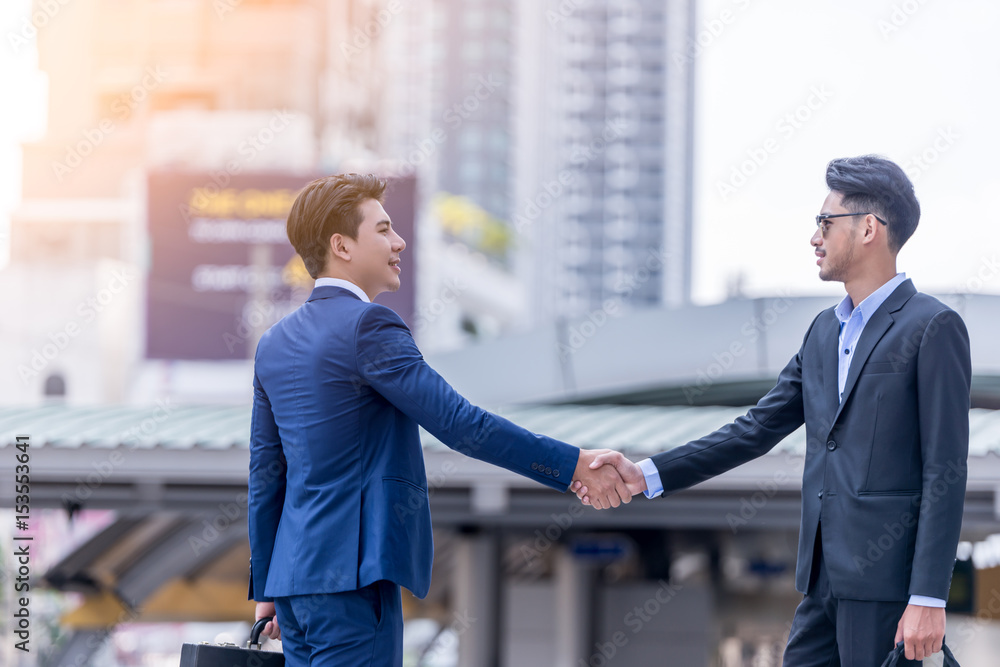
x=221, y=268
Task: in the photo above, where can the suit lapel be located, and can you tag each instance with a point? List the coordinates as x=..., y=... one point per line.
x=829, y=346
x=880, y=322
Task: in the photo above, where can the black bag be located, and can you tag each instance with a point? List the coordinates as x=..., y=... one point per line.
x=231, y=655
x=897, y=654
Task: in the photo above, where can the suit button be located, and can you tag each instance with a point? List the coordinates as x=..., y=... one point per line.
x=534, y=466
x=819, y=495
x=548, y=471
x=555, y=473
x=832, y=445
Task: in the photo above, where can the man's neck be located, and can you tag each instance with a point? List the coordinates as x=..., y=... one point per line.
x=863, y=286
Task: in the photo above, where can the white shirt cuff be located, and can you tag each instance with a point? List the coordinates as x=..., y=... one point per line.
x=654, y=487
x=924, y=601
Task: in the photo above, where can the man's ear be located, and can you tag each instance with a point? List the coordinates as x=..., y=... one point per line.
x=339, y=247
x=871, y=229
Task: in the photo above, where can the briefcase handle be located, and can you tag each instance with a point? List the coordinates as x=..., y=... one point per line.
x=255, y=631
x=897, y=654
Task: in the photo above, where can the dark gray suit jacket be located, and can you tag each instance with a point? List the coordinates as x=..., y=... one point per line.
x=885, y=468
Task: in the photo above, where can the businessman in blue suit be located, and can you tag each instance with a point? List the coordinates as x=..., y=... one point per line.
x=338, y=511
x=882, y=384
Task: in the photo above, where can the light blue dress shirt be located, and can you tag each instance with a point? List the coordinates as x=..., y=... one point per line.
x=852, y=323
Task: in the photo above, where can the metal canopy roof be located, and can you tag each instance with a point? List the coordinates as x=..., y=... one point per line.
x=634, y=429
x=189, y=458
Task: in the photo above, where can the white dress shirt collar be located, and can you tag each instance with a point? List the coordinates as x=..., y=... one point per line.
x=346, y=284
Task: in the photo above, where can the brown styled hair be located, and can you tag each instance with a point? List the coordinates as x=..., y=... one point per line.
x=328, y=206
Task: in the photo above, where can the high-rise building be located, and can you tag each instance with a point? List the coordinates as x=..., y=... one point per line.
x=571, y=121
x=449, y=90
x=471, y=61
x=447, y=117
x=603, y=154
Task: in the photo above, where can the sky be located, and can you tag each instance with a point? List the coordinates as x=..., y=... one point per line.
x=913, y=81
x=783, y=86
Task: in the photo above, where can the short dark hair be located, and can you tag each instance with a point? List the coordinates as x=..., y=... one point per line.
x=328, y=206
x=871, y=183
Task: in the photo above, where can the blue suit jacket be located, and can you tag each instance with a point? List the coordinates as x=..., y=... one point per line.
x=885, y=467
x=337, y=489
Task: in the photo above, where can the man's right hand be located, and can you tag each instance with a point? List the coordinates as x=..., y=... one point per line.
x=606, y=486
x=630, y=473
x=263, y=610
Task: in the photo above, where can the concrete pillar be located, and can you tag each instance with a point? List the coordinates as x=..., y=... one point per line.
x=574, y=609
x=476, y=582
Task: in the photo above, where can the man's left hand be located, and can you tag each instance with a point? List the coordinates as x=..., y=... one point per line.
x=630, y=473
x=606, y=486
x=263, y=610
x=921, y=629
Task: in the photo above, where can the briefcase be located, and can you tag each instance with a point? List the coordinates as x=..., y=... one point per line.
x=896, y=655
x=231, y=655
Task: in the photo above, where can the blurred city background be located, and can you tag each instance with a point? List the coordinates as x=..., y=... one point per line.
x=607, y=207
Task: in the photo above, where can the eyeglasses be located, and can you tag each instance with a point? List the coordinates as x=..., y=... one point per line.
x=821, y=219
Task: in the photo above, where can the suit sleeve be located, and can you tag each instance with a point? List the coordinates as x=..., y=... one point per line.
x=266, y=490
x=775, y=416
x=389, y=361
x=944, y=376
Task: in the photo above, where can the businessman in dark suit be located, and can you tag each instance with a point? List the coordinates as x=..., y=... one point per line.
x=338, y=511
x=882, y=384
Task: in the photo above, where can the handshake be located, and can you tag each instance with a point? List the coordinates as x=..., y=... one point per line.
x=605, y=478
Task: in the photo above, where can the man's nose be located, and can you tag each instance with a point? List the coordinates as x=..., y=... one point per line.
x=398, y=243
x=817, y=238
